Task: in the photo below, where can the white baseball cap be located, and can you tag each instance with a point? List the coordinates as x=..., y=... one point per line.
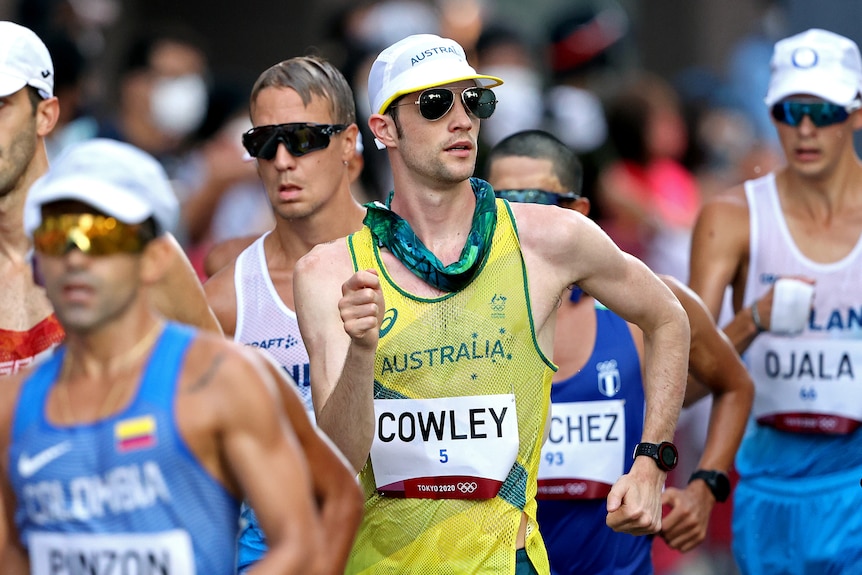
x=116, y=178
x=418, y=62
x=24, y=61
x=816, y=62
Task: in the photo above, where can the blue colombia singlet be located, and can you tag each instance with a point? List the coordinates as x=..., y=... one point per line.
x=574, y=529
x=123, y=493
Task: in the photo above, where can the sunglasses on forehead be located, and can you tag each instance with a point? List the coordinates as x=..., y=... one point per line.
x=792, y=112
x=93, y=234
x=299, y=138
x=535, y=196
x=434, y=103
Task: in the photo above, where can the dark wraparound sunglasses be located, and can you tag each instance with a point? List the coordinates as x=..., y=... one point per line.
x=434, y=103
x=822, y=114
x=532, y=196
x=299, y=138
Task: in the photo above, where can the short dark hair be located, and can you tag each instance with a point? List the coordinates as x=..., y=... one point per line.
x=392, y=110
x=34, y=96
x=69, y=62
x=310, y=76
x=150, y=230
x=139, y=53
x=541, y=145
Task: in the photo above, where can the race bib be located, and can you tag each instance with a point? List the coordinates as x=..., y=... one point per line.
x=585, y=451
x=446, y=448
x=807, y=385
x=165, y=553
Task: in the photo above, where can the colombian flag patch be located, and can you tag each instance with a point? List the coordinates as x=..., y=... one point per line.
x=135, y=434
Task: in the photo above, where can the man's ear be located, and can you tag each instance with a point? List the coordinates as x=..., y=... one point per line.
x=47, y=113
x=581, y=205
x=351, y=133
x=158, y=257
x=384, y=129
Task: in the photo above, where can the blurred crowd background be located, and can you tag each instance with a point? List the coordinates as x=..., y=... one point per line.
x=662, y=100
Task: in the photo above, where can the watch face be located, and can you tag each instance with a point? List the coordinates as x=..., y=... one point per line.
x=722, y=487
x=668, y=455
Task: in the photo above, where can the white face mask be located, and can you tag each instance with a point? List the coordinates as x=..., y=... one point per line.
x=578, y=118
x=178, y=105
x=520, y=103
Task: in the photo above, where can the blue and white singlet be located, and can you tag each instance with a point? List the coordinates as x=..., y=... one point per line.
x=123, y=493
x=597, y=419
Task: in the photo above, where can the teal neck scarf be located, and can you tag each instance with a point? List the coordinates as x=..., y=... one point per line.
x=395, y=234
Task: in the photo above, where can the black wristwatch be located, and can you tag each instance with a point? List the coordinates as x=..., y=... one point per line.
x=664, y=454
x=717, y=481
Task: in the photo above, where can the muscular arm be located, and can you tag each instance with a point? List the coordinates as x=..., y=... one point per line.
x=339, y=498
x=630, y=289
x=265, y=458
x=220, y=292
x=719, y=259
x=713, y=363
x=578, y=251
x=634, y=504
x=179, y=295
x=340, y=319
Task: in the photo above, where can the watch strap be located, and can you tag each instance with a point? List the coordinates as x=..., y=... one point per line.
x=717, y=482
x=658, y=452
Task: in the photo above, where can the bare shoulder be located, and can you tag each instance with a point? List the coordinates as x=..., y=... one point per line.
x=550, y=237
x=724, y=218
x=679, y=289
x=223, y=371
x=729, y=203
x=180, y=268
x=175, y=248
x=692, y=303
x=207, y=348
x=225, y=252
x=318, y=280
x=326, y=261
x=220, y=291
x=548, y=229
x=564, y=246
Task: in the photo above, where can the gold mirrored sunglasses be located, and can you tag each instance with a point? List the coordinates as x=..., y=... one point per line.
x=93, y=234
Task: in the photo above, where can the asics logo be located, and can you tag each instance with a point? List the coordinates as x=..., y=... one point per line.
x=388, y=321
x=467, y=486
x=28, y=466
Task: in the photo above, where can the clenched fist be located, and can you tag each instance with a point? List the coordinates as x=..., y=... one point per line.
x=361, y=307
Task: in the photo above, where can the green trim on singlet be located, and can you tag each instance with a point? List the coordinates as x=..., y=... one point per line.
x=548, y=361
x=515, y=486
x=382, y=392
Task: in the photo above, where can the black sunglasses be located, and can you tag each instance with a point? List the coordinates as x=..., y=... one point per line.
x=534, y=196
x=299, y=138
x=434, y=103
x=792, y=112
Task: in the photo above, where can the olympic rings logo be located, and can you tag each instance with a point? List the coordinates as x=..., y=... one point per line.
x=828, y=423
x=576, y=488
x=467, y=486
